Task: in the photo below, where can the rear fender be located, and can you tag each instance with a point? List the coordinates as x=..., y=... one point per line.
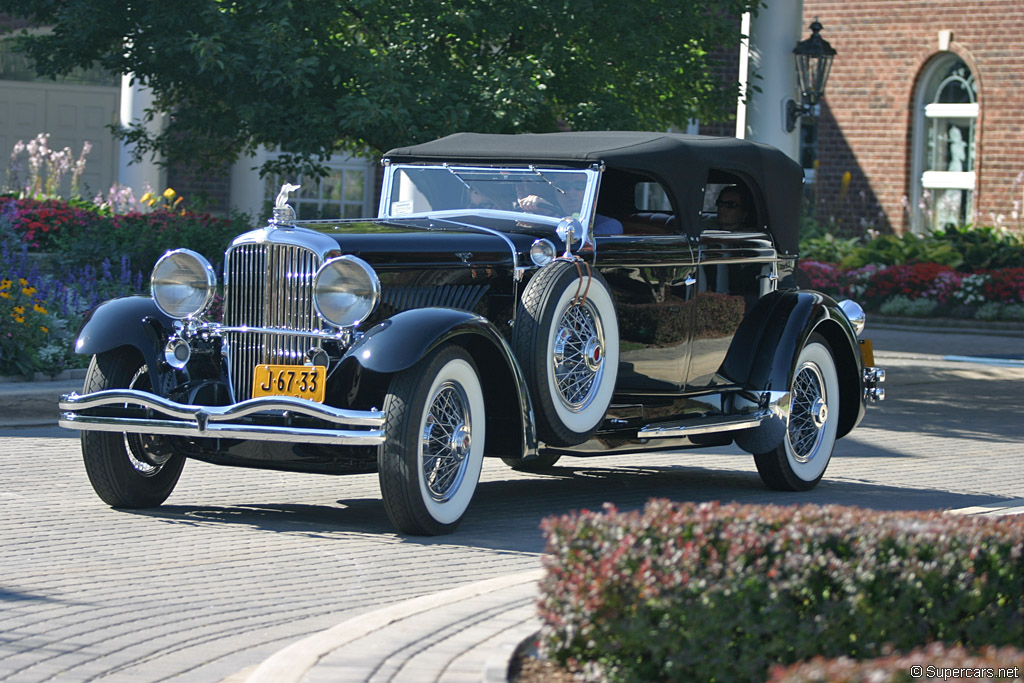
x=403, y=340
x=131, y=321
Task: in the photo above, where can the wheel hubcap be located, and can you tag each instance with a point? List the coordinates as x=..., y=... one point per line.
x=809, y=413
x=446, y=442
x=577, y=358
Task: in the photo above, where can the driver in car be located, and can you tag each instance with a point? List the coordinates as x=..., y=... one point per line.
x=542, y=200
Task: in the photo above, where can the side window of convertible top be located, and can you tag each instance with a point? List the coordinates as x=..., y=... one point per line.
x=652, y=211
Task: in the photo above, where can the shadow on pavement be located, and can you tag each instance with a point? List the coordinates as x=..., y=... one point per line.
x=506, y=515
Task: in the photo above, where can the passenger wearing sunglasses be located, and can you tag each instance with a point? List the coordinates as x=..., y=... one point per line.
x=732, y=211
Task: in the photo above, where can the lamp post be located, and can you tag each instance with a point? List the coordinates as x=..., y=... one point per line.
x=813, y=63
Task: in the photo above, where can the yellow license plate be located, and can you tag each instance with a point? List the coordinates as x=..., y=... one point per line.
x=867, y=352
x=301, y=381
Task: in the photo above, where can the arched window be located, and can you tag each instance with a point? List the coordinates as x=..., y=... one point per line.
x=946, y=112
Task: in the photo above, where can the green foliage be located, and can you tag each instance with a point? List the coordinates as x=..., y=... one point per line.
x=985, y=247
x=995, y=310
x=905, y=306
x=715, y=592
x=949, y=663
x=967, y=249
x=896, y=249
x=828, y=248
x=316, y=76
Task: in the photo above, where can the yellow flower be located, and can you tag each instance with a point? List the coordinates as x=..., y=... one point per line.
x=844, y=185
x=169, y=193
x=43, y=328
x=6, y=295
x=39, y=309
x=23, y=282
x=28, y=291
x=19, y=319
x=5, y=284
x=145, y=198
x=20, y=310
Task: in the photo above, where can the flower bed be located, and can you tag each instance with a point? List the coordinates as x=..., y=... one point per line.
x=925, y=289
x=61, y=258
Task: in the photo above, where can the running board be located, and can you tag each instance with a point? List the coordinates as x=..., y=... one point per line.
x=705, y=425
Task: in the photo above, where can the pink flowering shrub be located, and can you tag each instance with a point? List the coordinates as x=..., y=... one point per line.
x=951, y=292
x=686, y=592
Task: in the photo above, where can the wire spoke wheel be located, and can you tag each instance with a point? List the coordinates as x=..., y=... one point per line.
x=809, y=412
x=799, y=462
x=127, y=470
x=577, y=358
x=566, y=338
x=446, y=441
x=430, y=461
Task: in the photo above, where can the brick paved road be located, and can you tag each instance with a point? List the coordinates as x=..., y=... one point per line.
x=239, y=563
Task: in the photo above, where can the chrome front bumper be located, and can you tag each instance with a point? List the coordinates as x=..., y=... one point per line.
x=257, y=419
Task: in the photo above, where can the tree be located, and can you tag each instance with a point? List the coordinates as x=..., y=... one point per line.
x=310, y=77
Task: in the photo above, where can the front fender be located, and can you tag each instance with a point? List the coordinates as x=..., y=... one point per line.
x=131, y=321
x=401, y=341
x=764, y=351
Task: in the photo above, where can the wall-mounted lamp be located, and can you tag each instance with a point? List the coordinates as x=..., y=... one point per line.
x=813, y=63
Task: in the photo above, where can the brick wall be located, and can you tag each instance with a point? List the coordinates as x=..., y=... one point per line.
x=865, y=127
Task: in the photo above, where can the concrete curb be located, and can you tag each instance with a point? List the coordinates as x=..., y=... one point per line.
x=33, y=404
x=292, y=663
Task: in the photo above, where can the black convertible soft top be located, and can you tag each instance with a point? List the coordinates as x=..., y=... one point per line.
x=680, y=162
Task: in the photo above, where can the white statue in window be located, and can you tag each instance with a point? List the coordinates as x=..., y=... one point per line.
x=949, y=211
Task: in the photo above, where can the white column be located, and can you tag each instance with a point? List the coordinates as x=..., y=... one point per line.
x=247, y=188
x=774, y=32
x=135, y=100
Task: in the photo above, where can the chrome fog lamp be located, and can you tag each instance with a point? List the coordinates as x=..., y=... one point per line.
x=183, y=283
x=345, y=290
x=542, y=252
x=854, y=313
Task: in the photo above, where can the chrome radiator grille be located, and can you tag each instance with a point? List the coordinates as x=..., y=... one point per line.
x=268, y=286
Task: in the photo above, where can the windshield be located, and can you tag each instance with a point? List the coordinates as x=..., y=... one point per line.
x=555, y=193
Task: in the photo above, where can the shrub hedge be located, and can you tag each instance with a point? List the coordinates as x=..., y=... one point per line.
x=709, y=592
x=966, y=248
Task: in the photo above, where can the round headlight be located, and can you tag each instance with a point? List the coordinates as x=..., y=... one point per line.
x=345, y=291
x=542, y=252
x=183, y=283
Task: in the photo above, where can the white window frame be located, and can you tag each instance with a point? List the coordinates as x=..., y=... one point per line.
x=342, y=163
x=924, y=109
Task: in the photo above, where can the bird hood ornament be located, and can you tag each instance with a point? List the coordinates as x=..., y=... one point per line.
x=284, y=214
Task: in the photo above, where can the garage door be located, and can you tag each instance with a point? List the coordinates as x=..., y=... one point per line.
x=71, y=114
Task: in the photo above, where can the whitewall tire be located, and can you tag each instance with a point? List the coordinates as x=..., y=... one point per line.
x=430, y=462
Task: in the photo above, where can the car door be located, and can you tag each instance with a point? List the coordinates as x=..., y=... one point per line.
x=652, y=278
x=734, y=270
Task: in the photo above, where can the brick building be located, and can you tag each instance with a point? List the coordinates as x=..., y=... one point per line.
x=923, y=109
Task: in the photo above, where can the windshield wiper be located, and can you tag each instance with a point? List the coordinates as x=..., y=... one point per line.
x=545, y=179
x=452, y=171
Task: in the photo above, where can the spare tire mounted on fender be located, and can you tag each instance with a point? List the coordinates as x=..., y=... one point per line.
x=566, y=338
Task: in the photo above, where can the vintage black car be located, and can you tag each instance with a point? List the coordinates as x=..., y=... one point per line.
x=521, y=297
